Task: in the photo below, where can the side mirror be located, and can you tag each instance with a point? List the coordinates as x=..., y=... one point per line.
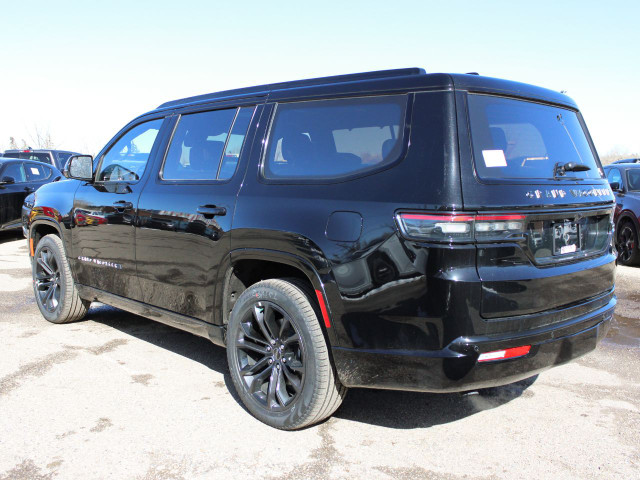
x=8, y=180
x=79, y=167
x=615, y=186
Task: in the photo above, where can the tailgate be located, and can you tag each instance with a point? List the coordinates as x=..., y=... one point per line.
x=537, y=161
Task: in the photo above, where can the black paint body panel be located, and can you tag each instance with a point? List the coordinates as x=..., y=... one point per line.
x=403, y=314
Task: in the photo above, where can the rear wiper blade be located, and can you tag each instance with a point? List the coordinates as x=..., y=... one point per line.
x=561, y=169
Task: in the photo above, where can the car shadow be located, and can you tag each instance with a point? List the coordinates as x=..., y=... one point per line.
x=408, y=410
x=387, y=408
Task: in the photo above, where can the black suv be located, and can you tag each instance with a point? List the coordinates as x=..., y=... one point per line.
x=57, y=158
x=391, y=229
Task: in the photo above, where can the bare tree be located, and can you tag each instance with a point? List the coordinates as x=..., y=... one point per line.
x=617, y=154
x=42, y=139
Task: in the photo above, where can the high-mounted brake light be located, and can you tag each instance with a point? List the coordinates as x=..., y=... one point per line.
x=504, y=354
x=460, y=227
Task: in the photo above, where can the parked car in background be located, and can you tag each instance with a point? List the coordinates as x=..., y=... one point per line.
x=626, y=160
x=19, y=178
x=625, y=183
x=394, y=229
x=57, y=158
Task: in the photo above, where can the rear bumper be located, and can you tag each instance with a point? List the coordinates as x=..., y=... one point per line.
x=455, y=368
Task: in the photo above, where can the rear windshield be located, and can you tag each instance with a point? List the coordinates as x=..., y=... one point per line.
x=39, y=157
x=519, y=139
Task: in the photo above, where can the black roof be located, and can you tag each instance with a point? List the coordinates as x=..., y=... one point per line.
x=415, y=79
x=625, y=165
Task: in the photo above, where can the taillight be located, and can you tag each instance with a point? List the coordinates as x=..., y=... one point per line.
x=460, y=227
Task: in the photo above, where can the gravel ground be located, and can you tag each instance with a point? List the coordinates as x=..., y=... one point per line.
x=118, y=396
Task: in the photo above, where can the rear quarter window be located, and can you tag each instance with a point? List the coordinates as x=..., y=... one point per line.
x=37, y=173
x=327, y=139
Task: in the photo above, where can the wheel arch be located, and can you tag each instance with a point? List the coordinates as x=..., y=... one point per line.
x=628, y=215
x=248, y=266
x=40, y=228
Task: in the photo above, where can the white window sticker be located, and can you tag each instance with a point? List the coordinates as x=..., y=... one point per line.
x=494, y=158
x=35, y=171
x=567, y=249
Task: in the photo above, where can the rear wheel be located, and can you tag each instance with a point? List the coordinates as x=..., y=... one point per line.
x=627, y=242
x=278, y=357
x=53, y=285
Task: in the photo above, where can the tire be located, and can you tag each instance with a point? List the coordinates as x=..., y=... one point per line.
x=53, y=285
x=627, y=243
x=278, y=356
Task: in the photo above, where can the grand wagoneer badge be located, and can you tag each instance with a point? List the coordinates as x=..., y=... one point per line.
x=560, y=193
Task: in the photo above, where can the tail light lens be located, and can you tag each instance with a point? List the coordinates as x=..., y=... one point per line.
x=460, y=228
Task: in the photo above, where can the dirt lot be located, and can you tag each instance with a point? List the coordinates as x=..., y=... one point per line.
x=118, y=396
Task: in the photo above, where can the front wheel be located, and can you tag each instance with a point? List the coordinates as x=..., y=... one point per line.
x=278, y=357
x=627, y=241
x=53, y=285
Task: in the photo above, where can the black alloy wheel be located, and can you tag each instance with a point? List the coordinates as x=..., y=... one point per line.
x=47, y=279
x=627, y=243
x=270, y=356
x=278, y=357
x=53, y=285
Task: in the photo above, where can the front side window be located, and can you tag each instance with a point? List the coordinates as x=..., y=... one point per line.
x=333, y=138
x=15, y=171
x=515, y=139
x=614, y=176
x=633, y=179
x=37, y=173
x=127, y=158
x=63, y=157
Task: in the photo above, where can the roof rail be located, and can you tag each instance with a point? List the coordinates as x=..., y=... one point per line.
x=265, y=89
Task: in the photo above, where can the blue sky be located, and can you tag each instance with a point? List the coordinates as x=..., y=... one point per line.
x=81, y=70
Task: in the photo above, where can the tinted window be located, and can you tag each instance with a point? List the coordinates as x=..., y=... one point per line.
x=235, y=143
x=38, y=157
x=127, y=158
x=330, y=138
x=37, y=173
x=517, y=139
x=16, y=171
x=614, y=176
x=62, y=159
x=633, y=179
x=197, y=145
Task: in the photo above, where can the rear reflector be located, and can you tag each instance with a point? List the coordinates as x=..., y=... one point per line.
x=323, y=309
x=504, y=354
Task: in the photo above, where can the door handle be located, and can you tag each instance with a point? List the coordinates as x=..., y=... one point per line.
x=210, y=211
x=121, y=206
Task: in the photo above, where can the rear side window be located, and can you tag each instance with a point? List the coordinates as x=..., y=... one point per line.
x=333, y=138
x=127, y=158
x=37, y=173
x=203, y=149
x=518, y=139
